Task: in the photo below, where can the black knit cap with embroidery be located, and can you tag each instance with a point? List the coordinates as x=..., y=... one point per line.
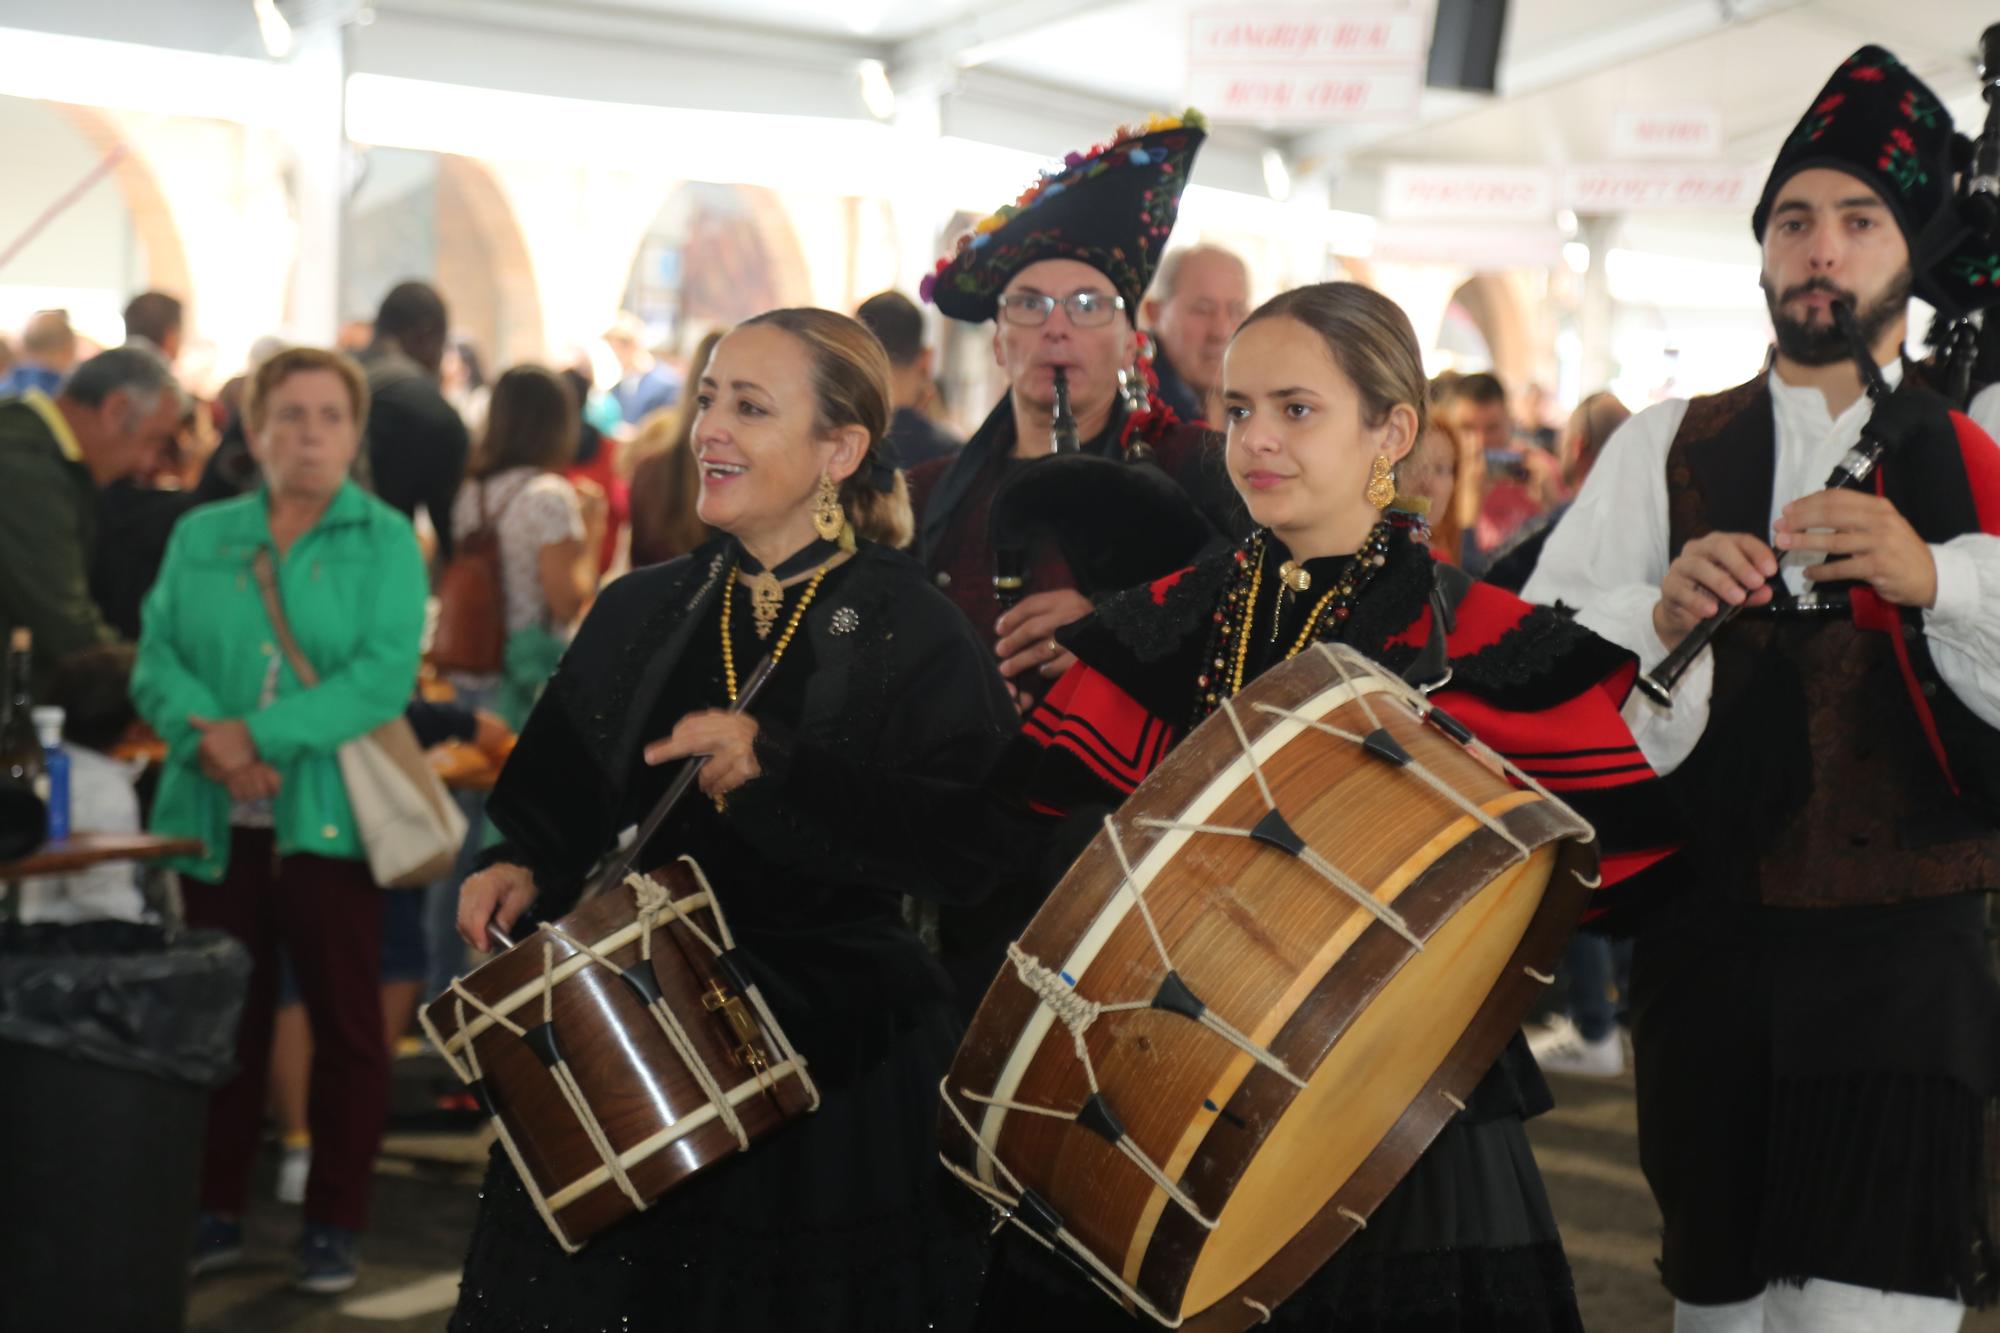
x=1877, y=122
x=1111, y=208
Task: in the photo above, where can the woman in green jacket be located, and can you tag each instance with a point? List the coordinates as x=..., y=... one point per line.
x=251, y=771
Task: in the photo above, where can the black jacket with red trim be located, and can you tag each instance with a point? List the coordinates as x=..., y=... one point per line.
x=1529, y=682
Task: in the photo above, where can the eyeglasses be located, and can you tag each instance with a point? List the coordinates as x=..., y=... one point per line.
x=1087, y=310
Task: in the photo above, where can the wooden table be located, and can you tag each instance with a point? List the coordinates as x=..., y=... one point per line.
x=83, y=850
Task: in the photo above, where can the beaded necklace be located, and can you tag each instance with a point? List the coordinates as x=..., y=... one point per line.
x=784, y=639
x=1229, y=644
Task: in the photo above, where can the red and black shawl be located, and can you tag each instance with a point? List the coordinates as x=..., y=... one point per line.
x=1528, y=681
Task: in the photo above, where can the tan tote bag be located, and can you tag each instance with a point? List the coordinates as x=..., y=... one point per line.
x=409, y=825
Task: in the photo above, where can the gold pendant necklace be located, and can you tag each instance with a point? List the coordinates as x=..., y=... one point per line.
x=767, y=598
x=1295, y=576
x=784, y=640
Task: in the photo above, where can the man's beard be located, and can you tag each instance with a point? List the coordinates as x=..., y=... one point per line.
x=1823, y=345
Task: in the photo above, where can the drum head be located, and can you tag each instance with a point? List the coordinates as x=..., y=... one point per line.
x=1263, y=990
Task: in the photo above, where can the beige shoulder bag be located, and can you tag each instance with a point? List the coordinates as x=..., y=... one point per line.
x=408, y=822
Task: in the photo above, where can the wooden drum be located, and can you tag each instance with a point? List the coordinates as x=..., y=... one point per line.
x=1262, y=990
x=620, y=1050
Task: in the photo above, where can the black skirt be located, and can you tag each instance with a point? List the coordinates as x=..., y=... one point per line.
x=1817, y=1098
x=842, y=1221
x=1466, y=1243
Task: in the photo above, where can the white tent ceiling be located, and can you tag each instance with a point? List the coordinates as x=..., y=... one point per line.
x=1047, y=75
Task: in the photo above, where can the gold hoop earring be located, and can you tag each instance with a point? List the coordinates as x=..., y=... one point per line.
x=828, y=519
x=1381, y=483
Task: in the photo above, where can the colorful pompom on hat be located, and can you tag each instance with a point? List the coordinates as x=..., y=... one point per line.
x=1111, y=208
x=1879, y=123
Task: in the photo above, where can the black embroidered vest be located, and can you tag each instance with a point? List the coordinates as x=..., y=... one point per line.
x=1814, y=784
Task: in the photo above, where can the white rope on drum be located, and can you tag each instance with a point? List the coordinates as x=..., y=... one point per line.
x=1421, y=708
x=1105, y=1279
x=1324, y=868
x=586, y=1114
x=669, y=1024
x=586, y=1119
x=1420, y=770
x=1077, y=1014
x=526, y=1177
x=1209, y=1019
x=756, y=994
x=1313, y=861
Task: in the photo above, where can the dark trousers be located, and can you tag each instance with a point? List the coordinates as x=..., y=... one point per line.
x=326, y=915
x=1597, y=968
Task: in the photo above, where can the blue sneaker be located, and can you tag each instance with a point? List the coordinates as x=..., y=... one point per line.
x=218, y=1244
x=327, y=1260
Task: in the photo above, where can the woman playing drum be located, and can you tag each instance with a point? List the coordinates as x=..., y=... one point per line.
x=880, y=707
x=1324, y=394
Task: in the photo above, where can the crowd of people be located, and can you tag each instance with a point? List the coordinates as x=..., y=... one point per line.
x=979, y=648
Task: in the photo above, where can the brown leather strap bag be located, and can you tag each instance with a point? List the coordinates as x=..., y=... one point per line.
x=471, y=633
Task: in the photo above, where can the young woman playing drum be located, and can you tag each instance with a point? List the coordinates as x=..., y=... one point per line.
x=881, y=707
x=1324, y=393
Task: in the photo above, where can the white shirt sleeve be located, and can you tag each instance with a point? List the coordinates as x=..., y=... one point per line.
x=1985, y=410
x=1605, y=560
x=1963, y=625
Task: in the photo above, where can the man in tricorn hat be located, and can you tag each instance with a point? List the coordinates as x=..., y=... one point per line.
x=1816, y=1022
x=1060, y=273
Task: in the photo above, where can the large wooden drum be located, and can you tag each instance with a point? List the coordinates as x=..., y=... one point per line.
x=1262, y=990
x=621, y=1050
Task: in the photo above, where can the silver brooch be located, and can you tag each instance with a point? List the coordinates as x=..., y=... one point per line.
x=845, y=621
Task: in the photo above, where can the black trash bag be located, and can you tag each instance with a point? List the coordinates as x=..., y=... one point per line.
x=127, y=996
x=24, y=822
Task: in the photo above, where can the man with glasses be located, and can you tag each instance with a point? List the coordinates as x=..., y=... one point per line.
x=1060, y=273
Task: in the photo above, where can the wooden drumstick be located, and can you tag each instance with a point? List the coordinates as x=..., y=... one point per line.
x=683, y=780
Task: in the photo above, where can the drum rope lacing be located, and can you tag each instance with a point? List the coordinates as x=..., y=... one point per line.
x=1420, y=706
x=534, y=1192
x=565, y=1082
x=1077, y=1012
x=648, y=890
x=669, y=1023
x=654, y=902
x=1105, y=1279
x=1317, y=863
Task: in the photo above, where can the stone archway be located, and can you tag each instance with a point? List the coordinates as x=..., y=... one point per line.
x=483, y=266
x=1505, y=320
x=167, y=266
x=714, y=255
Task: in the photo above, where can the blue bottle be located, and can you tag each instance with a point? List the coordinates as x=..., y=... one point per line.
x=55, y=760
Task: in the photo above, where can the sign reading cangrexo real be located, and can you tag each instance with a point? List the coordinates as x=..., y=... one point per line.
x=1297, y=64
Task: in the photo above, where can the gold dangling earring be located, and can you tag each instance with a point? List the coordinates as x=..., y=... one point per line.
x=828, y=520
x=1381, y=483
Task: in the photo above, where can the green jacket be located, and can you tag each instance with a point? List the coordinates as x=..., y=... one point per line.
x=353, y=590
x=48, y=524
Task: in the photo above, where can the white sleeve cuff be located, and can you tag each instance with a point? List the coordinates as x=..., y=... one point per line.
x=1625, y=616
x=1957, y=602
x=1668, y=736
